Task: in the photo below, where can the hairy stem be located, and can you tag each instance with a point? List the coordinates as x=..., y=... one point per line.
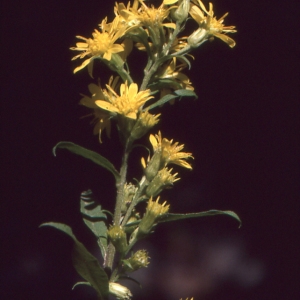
x=120, y=198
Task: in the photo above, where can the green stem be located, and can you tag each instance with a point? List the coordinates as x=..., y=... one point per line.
x=120, y=185
x=143, y=183
x=158, y=60
x=120, y=198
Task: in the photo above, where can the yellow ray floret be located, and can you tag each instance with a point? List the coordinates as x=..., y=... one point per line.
x=128, y=103
x=171, y=153
x=102, y=44
x=206, y=20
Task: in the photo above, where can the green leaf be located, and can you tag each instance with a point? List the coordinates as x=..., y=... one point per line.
x=89, y=207
x=88, y=267
x=185, y=93
x=162, y=101
x=94, y=218
x=85, y=263
x=213, y=212
x=131, y=279
x=91, y=155
x=185, y=60
x=80, y=283
x=159, y=84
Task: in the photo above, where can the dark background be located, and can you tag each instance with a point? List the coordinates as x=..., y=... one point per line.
x=242, y=130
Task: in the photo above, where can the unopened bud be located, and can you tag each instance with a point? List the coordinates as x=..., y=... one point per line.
x=138, y=260
x=119, y=291
x=129, y=192
x=180, y=14
x=153, y=211
x=153, y=166
x=144, y=122
x=162, y=180
x=197, y=37
x=118, y=238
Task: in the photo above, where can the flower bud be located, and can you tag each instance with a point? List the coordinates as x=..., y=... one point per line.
x=129, y=192
x=119, y=291
x=138, y=260
x=197, y=37
x=153, y=211
x=143, y=124
x=180, y=14
x=118, y=238
x=153, y=166
x=125, y=126
x=162, y=180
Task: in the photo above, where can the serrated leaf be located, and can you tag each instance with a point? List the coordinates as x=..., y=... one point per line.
x=162, y=101
x=85, y=263
x=185, y=93
x=213, y=212
x=91, y=155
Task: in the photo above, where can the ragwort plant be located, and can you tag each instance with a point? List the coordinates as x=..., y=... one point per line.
x=160, y=32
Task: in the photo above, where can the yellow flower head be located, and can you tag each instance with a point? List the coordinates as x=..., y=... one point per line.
x=148, y=16
x=101, y=117
x=139, y=259
x=164, y=179
x=144, y=122
x=126, y=13
x=153, y=211
x=208, y=22
x=156, y=209
x=102, y=44
x=170, y=153
x=173, y=71
x=128, y=103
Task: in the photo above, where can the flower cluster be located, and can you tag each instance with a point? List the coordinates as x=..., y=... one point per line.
x=133, y=105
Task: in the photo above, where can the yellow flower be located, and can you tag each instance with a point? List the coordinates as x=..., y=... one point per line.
x=125, y=13
x=169, y=2
x=170, y=153
x=102, y=45
x=139, y=259
x=149, y=17
x=179, y=44
x=173, y=71
x=164, y=179
x=128, y=104
x=101, y=117
x=118, y=238
x=213, y=26
x=154, y=210
x=144, y=122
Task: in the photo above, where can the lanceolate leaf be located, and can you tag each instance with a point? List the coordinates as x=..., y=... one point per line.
x=213, y=212
x=85, y=263
x=185, y=93
x=80, y=283
x=162, y=101
x=91, y=155
x=185, y=60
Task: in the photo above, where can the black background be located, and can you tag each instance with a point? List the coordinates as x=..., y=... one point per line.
x=242, y=131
